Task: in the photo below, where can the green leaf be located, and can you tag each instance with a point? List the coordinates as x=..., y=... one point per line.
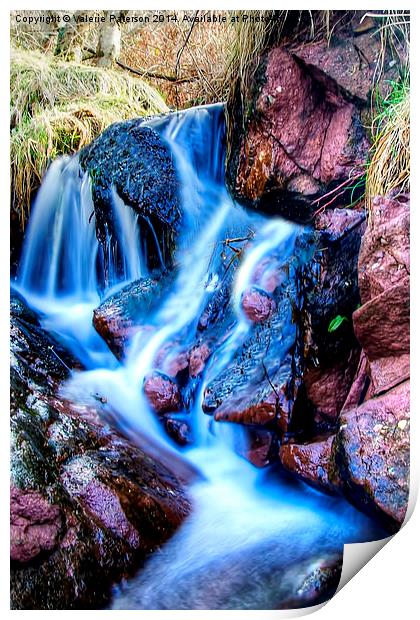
x=336, y=322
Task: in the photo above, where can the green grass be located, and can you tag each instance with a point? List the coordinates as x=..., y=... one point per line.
x=57, y=107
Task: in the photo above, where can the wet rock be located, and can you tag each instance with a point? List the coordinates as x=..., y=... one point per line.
x=257, y=305
x=309, y=461
x=372, y=451
x=35, y=525
x=331, y=289
x=262, y=447
x=178, y=430
x=361, y=388
x=303, y=135
x=162, y=393
x=319, y=585
x=384, y=258
x=86, y=504
x=122, y=315
x=197, y=359
x=135, y=161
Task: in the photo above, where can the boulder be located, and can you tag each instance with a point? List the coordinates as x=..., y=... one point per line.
x=302, y=136
x=371, y=455
x=133, y=160
x=352, y=61
x=309, y=461
x=86, y=505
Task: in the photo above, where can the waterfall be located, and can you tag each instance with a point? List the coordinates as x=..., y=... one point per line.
x=242, y=517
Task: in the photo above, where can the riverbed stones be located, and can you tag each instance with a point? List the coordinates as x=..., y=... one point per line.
x=310, y=461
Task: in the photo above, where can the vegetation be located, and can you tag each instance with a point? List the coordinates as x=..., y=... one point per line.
x=58, y=107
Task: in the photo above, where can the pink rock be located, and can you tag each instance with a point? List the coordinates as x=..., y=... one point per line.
x=34, y=524
x=305, y=133
x=310, y=461
x=198, y=357
x=384, y=258
x=382, y=325
x=372, y=453
x=257, y=305
x=162, y=393
x=327, y=388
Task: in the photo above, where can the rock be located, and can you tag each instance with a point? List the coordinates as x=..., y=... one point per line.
x=135, y=161
x=35, y=525
x=387, y=372
x=262, y=384
x=384, y=258
x=178, y=430
x=162, y=393
x=382, y=325
x=330, y=285
x=122, y=315
x=372, y=452
x=361, y=388
x=257, y=305
x=327, y=388
x=303, y=135
x=309, y=461
x=197, y=359
x=262, y=447
x=86, y=504
x=352, y=62
x=319, y=585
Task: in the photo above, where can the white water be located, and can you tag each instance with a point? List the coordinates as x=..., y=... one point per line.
x=236, y=510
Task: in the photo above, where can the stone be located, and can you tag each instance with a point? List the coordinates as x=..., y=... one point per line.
x=87, y=505
x=162, y=393
x=382, y=325
x=303, y=134
x=134, y=161
x=309, y=461
x=197, y=359
x=384, y=258
x=327, y=388
x=372, y=453
x=125, y=313
x=35, y=524
x=257, y=305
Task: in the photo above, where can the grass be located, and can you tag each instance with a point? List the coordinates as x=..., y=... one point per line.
x=58, y=107
x=389, y=166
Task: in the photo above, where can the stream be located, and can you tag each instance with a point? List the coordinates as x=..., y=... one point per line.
x=253, y=534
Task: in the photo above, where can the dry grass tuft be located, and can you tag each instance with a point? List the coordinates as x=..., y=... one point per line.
x=58, y=107
x=389, y=167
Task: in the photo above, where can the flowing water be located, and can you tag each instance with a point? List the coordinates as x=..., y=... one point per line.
x=253, y=535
